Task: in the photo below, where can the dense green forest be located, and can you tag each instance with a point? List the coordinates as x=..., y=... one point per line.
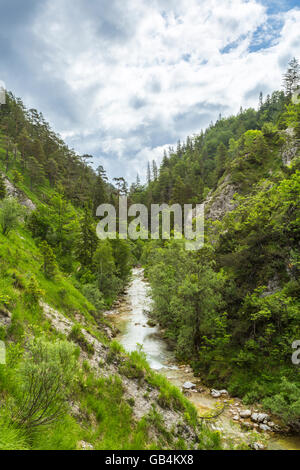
x=230, y=309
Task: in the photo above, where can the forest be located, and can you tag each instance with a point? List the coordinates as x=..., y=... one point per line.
x=230, y=309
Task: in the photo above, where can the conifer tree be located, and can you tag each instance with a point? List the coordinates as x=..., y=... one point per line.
x=148, y=174
x=49, y=263
x=154, y=170
x=87, y=243
x=2, y=187
x=221, y=158
x=291, y=78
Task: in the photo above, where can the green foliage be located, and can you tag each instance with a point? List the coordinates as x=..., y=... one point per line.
x=286, y=403
x=11, y=437
x=87, y=242
x=78, y=337
x=10, y=213
x=2, y=187
x=232, y=310
x=49, y=264
x=33, y=291
x=46, y=377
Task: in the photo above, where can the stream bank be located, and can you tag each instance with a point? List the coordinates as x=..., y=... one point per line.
x=131, y=319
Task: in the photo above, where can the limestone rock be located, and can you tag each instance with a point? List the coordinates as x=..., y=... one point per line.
x=218, y=393
x=188, y=385
x=245, y=414
x=257, y=446
x=264, y=427
x=260, y=417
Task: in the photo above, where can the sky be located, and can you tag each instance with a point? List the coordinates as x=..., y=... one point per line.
x=122, y=80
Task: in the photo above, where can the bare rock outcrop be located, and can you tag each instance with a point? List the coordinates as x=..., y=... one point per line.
x=12, y=191
x=291, y=147
x=220, y=201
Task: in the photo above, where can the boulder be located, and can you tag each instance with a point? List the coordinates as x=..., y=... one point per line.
x=188, y=385
x=218, y=393
x=245, y=414
x=257, y=446
x=260, y=417
x=264, y=427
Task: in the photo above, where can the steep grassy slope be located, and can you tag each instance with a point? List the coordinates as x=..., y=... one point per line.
x=65, y=384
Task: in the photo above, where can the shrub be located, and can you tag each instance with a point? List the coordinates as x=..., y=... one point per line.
x=78, y=337
x=46, y=377
x=286, y=403
x=33, y=291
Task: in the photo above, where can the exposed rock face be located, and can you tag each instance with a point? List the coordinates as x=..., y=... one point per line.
x=272, y=287
x=290, y=148
x=220, y=202
x=18, y=194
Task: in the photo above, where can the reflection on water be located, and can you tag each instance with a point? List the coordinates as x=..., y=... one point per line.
x=132, y=320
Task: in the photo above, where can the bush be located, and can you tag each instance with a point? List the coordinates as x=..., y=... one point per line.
x=33, y=291
x=78, y=337
x=286, y=404
x=94, y=295
x=46, y=377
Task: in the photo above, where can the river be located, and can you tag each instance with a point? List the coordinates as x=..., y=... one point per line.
x=132, y=321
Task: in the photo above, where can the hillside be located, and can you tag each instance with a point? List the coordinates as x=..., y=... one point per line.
x=232, y=308
x=66, y=384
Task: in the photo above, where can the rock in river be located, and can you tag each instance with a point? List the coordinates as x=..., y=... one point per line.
x=217, y=393
x=260, y=417
x=188, y=385
x=245, y=413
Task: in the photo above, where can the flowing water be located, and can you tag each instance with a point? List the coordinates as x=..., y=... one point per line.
x=131, y=318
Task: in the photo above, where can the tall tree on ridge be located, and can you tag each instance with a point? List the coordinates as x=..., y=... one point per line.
x=291, y=78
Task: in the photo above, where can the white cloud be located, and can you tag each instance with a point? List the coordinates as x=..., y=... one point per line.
x=144, y=73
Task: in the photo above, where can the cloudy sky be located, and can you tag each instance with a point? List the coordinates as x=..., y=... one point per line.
x=124, y=79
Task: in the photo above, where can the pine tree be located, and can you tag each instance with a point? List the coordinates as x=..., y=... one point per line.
x=221, y=158
x=154, y=170
x=36, y=172
x=148, y=174
x=100, y=193
x=2, y=187
x=138, y=181
x=260, y=101
x=49, y=264
x=88, y=241
x=291, y=78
